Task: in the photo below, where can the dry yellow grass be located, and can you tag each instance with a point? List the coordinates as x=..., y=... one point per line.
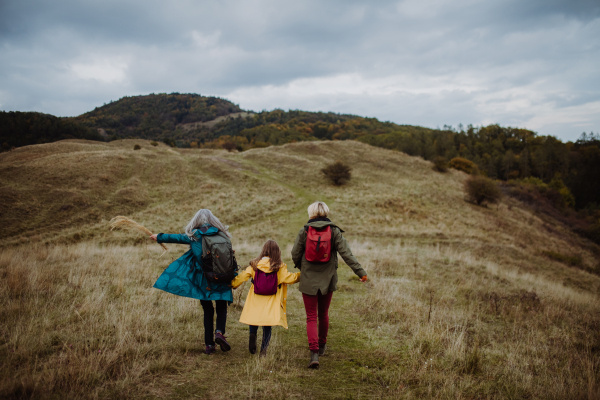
x=120, y=222
x=461, y=303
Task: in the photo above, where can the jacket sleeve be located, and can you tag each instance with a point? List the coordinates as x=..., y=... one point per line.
x=173, y=238
x=242, y=277
x=342, y=247
x=298, y=249
x=288, y=277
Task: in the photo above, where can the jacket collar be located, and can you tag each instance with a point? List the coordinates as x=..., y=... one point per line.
x=207, y=230
x=320, y=223
x=318, y=219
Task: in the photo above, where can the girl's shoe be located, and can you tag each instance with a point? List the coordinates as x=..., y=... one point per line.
x=252, y=343
x=322, y=349
x=314, y=360
x=222, y=341
x=209, y=349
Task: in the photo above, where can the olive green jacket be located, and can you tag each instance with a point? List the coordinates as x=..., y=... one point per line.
x=322, y=277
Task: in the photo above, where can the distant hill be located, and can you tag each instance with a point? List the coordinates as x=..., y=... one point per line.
x=155, y=116
x=25, y=128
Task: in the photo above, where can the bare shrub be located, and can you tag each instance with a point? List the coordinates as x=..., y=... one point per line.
x=229, y=146
x=137, y=147
x=440, y=164
x=154, y=144
x=338, y=173
x=481, y=190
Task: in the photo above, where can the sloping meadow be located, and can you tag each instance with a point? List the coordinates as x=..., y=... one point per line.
x=461, y=302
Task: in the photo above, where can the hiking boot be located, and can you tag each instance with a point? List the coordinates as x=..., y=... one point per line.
x=314, y=360
x=222, y=341
x=322, y=349
x=252, y=343
x=209, y=349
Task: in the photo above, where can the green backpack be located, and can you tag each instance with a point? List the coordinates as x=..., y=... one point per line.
x=218, y=258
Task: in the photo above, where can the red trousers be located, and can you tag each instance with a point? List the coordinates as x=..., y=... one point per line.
x=317, y=307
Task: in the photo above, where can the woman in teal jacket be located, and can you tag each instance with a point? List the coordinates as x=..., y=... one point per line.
x=184, y=276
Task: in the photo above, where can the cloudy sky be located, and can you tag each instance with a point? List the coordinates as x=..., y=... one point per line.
x=533, y=64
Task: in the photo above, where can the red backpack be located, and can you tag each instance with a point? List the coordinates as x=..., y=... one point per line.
x=318, y=244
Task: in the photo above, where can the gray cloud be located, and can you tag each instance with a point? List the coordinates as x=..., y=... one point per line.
x=530, y=64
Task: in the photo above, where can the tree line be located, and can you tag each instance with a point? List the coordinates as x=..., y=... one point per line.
x=25, y=128
x=503, y=153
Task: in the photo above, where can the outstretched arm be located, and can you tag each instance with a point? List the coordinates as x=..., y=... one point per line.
x=241, y=278
x=288, y=277
x=170, y=238
x=342, y=247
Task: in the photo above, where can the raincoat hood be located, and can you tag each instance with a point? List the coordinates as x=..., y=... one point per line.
x=321, y=224
x=264, y=265
x=205, y=229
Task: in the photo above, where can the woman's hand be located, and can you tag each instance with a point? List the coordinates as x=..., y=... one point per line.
x=363, y=279
x=153, y=237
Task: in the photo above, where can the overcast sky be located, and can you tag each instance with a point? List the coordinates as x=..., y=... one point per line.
x=532, y=64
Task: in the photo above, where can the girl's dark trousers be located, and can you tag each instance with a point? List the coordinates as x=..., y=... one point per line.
x=266, y=335
x=209, y=313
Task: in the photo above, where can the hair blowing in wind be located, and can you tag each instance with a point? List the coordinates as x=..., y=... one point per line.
x=202, y=217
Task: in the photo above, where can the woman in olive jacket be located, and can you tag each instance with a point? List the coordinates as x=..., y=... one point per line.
x=318, y=281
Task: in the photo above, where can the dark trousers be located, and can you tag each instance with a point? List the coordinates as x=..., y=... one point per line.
x=266, y=335
x=317, y=309
x=209, y=314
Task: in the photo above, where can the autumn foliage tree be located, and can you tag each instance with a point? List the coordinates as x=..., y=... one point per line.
x=462, y=164
x=338, y=173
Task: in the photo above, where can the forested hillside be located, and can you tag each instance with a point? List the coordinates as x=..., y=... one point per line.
x=155, y=116
x=24, y=128
x=193, y=121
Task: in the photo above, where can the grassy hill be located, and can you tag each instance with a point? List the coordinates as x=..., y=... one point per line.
x=194, y=121
x=462, y=302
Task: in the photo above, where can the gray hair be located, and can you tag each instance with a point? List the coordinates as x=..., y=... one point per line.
x=202, y=217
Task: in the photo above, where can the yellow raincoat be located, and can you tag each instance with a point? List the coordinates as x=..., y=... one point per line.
x=266, y=310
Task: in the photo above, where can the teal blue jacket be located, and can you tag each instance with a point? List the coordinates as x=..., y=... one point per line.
x=183, y=278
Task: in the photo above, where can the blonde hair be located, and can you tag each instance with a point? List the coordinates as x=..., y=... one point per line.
x=202, y=217
x=318, y=209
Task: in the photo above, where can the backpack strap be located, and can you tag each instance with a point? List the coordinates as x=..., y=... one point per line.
x=224, y=236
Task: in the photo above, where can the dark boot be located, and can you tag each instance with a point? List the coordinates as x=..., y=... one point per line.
x=314, y=360
x=222, y=341
x=252, y=343
x=322, y=349
x=209, y=349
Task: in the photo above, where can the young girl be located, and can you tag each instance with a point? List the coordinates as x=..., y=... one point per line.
x=270, y=277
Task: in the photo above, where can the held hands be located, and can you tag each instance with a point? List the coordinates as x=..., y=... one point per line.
x=153, y=237
x=363, y=279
